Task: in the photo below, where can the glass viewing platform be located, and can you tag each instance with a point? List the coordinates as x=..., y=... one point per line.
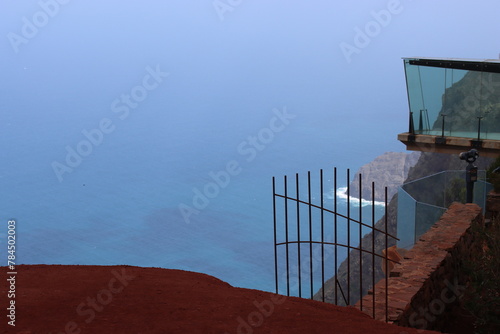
x=454, y=105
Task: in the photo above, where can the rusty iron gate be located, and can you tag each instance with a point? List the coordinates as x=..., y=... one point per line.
x=311, y=239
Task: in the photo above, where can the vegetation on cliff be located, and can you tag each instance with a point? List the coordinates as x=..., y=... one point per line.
x=428, y=163
x=482, y=295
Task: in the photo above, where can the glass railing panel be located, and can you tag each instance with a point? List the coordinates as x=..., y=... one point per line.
x=428, y=190
x=414, y=90
x=470, y=101
x=452, y=101
x=422, y=202
x=481, y=190
x=433, y=89
x=425, y=216
x=464, y=100
x=454, y=189
x=406, y=220
x=488, y=101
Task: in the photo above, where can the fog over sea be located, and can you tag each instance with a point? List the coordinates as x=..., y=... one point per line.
x=148, y=133
x=150, y=194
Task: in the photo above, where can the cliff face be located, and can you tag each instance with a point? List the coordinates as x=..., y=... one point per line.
x=476, y=94
x=388, y=170
x=428, y=163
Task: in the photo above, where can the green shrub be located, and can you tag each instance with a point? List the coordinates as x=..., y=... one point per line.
x=482, y=296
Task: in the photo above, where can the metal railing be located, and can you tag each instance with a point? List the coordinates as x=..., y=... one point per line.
x=311, y=238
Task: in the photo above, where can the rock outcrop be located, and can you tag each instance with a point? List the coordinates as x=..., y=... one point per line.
x=388, y=170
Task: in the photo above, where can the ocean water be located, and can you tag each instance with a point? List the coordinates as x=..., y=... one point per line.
x=205, y=121
x=179, y=122
x=121, y=204
x=303, y=265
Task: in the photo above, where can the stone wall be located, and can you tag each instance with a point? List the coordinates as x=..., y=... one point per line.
x=426, y=287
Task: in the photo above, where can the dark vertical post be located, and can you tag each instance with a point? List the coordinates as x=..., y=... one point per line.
x=411, y=126
x=470, y=171
x=420, y=122
x=373, y=247
x=348, y=238
x=360, y=244
x=386, y=261
x=479, y=128
x=470, y=178
x=442, y=125
x=298, y=232
x=469, y=186
x=310, y=234
x=275, y=237
x=335, y=227
x=286, y=242
x=322, y=238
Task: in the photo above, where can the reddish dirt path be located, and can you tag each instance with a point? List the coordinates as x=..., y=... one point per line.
x=124, y=299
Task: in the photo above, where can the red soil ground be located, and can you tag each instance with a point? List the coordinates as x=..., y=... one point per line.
x=124, y=299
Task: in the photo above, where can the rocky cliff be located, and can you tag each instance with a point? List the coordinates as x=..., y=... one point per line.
x=388, y=170
x=427, y=164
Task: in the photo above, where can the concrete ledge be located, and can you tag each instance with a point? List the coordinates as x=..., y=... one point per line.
x=451, y=145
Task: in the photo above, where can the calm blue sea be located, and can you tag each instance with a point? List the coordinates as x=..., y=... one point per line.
x=122, y=203
x=181, y=116
x=150, y=136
